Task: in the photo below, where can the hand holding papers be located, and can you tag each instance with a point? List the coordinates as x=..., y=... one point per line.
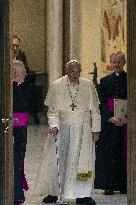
x=120, y=112
x=120, y=108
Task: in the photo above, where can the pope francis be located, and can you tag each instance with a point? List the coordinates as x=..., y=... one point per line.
x=74, y=120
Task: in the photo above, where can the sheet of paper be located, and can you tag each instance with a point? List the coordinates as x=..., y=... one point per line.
x=120, y=108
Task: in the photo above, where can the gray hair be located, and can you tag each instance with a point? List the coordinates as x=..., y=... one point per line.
x=118, y=54
x=18, y=65
x=72, y=62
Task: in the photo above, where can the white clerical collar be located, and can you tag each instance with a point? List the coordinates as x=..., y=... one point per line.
x=117, y=74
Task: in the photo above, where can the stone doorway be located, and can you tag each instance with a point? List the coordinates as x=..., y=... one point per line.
x=6, y=190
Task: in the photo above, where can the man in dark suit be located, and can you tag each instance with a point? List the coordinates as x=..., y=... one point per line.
x=18, y=54
x=113, y=141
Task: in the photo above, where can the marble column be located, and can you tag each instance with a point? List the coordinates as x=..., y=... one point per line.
x=131, y=61
x=66, y=33
x=75, y=29
x=54, y=38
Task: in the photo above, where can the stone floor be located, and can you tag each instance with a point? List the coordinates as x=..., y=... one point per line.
x=36, y=139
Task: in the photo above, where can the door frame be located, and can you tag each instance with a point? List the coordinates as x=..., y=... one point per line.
x=6, y=159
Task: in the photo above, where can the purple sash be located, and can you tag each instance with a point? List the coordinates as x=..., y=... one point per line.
x=22, y=119
x=110, y=105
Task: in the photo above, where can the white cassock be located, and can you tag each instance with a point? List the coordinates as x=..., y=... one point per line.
x=76, y=148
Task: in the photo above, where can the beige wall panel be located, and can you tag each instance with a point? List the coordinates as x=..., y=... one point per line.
x=90, y=36
x=29, y=25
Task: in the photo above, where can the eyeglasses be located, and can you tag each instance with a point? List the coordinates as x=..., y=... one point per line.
x=116, y=62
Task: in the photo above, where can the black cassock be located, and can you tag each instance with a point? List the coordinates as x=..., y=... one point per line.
x=20, y=106
x=30, y=80
x=111, y=148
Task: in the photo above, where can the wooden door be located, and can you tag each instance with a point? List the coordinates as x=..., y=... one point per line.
x=6, y=139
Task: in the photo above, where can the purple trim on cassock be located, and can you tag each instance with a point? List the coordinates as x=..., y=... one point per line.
x=110, y=105
x=23, y=119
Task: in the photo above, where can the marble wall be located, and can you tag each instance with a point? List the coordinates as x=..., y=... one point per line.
x=90, y=36
x=29, y=25
x=91, y=44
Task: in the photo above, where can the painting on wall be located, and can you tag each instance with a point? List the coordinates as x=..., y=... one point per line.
x=112, y=29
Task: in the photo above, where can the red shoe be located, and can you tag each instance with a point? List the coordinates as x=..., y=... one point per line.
x=25, y=184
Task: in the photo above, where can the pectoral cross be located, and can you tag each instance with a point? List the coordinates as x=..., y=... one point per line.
x=73, y=106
